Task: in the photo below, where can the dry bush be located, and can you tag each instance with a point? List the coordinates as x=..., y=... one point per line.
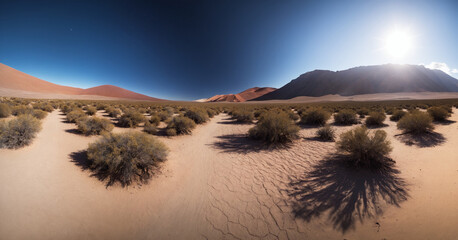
x=164, y=115
x=181, y=125
x=362, y=112
x=397, y=115
x=94, y=125
x=198, y=115
x=5, y=110
x=365, y=149
x=315, y=117
x=243, y=116
x=274, y=127
x=211, y=112
x=91, y=111
x=75, y=115
x=21, y=109
x=131, y=118
x=439, y=113
x=150, y=128
x=40, y=114
x=171, y=132
x=113, y=112
x=345, y=117
x=126, y=157
x=19, y=132
x=416, y=122
x=375, y=119
x=154, y=120
x=326, y=133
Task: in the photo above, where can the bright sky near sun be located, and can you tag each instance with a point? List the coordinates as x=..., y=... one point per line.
x=195, y=49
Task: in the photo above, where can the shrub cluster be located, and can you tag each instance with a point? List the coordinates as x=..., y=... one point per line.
x=375, y=119
x=367, y=150
x=75, y=115
x=91, y=111
x=197, y=115
x=315, y=117
x=274, y=127
x=243, y=116
x=126, y=157
x=180, y=125
x=131, y=118
x=397, y=115
x=94, y=125
x=345, y=117
x=416, y=122
x=19, y=132
x=439, y=113
x=150, y=128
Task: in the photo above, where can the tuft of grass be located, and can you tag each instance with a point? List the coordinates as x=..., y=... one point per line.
x=76, y=115
x=326, y=133
x=19, y=132
x=198, y=115
x=131, y=119
x=126, y=157
x=397, y=115
x=274, y=127
x=150, y=128
x=91, y=111
x=243, y=116
x=365, y=149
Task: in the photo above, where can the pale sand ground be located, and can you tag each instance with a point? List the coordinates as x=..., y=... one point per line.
x=218, y=185
x=5, y=92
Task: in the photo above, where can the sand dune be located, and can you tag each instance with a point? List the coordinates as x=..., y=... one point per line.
x=217, y=184
x=14, y=83
x=246, y=95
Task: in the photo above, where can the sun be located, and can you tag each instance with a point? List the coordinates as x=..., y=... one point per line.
x=398, y=43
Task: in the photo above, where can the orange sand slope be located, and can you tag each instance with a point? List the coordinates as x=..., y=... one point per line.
x=14, y=83
x=246, y=95
x=217, y=184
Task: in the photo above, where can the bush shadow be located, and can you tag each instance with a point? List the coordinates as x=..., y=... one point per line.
x=428, y=139
x=371, y=126
x=445, y=122
x=346, y=193
x=241, y=143
x=318, y=139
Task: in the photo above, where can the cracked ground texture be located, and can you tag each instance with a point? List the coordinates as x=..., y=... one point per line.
x=217, y=184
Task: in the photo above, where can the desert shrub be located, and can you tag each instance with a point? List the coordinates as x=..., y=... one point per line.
x=5, y=110
x=211, y=112
x=315, y=117
x=293, y=116
x=150, y=128
x=21, y=109
x=181, y=125
x=439, y=113
x=19, y=132
x=243, y=116
x=345, y=117
x=362, y=112
x=40, y=114
x=375, y=119
x=91, y=111
x=365, y=149
x=274, y=127
x=75, y=115
x=94, y=125
x=68, y=108
x=390, y=111
x=126, y=157
x=131, y=118
x=164, y=115
x=155, y=120
x=397, y=115
x=171, y=132
x=113, y=112
x=416, y=122
x=197, y=115
x=326, y=133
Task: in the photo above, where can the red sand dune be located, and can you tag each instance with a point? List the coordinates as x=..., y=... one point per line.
x=246, y=95
x=13, y=79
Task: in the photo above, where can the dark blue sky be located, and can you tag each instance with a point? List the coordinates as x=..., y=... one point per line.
x=195, y=49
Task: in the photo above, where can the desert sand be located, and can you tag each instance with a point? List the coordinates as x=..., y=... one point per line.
x=217, y=184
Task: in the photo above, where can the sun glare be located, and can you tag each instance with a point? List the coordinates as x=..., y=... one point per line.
x=398, y=43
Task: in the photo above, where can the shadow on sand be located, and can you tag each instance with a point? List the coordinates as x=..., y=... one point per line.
x=81, y=160
x=240, y=143
x=429, y=139
x=346, y=193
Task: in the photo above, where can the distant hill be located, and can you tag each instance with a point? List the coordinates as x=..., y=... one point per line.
x=13, y=79
x=389, y=78
x=246, y=95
